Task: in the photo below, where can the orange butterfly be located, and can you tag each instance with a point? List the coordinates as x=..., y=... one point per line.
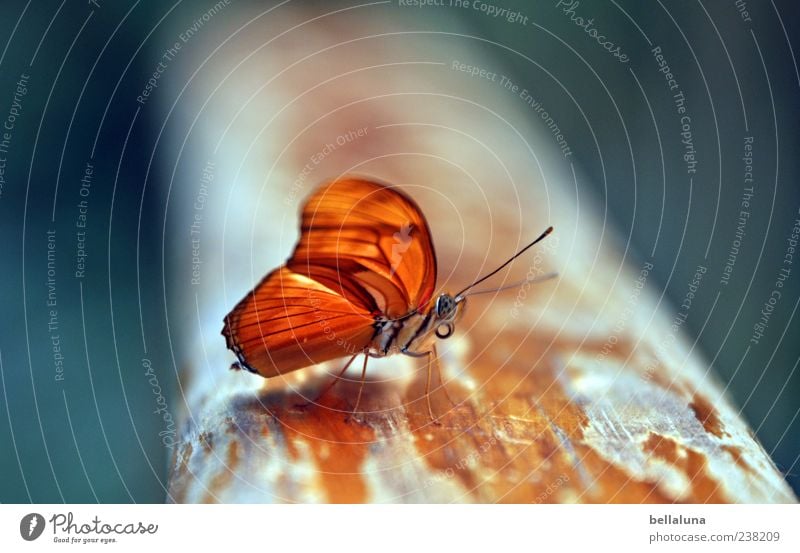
x=361, y=280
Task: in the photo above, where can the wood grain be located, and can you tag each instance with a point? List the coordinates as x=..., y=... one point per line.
x=543, y=425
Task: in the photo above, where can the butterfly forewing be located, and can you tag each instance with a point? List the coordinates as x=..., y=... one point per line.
x=373, y=235
x=365, y=253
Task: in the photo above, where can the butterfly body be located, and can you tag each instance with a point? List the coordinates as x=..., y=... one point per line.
x=413, y=334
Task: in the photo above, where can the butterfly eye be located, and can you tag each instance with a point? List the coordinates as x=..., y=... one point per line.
x=444, y=306
x=445, y=330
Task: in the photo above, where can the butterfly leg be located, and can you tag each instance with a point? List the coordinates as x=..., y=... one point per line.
x=360, y=388
x=336, y=379
x=434, y=420
x=439, y=372
x=429, y=355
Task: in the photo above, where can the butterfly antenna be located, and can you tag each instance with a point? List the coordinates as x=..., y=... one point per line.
x=512, y=258
x=517, y=284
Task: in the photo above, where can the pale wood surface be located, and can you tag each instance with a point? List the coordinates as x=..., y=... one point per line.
x=544, y=424
x=548, y=409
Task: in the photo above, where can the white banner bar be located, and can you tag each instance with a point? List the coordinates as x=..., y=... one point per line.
x=401, y=528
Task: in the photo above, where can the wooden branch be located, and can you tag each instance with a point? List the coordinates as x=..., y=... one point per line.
x=548, y=423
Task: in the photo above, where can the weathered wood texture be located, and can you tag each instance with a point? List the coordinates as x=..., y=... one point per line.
x=537, y=420
x=575, y=390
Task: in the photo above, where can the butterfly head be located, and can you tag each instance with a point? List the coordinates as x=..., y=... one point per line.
x=446, y=310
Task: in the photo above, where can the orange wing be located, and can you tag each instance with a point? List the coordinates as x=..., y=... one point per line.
x=368, y=242
x=290, y=321
x=364, y=253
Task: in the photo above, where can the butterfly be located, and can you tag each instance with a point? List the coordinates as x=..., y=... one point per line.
x=361, y=281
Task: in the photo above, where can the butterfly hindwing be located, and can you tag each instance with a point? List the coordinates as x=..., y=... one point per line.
x=290, y=321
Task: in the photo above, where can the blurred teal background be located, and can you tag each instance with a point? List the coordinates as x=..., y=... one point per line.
x=102, y=432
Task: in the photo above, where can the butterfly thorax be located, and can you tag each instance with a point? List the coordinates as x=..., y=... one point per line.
x=413, y=333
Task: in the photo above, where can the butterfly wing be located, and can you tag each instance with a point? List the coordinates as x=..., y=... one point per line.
x=371, y=243
x=364, y=253
x=290, y=321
